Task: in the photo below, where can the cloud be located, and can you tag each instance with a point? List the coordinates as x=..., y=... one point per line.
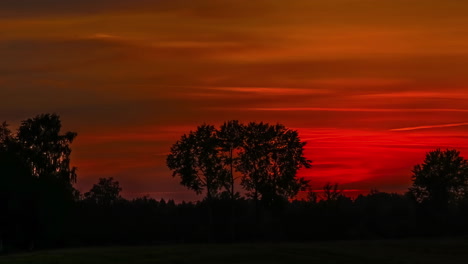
x=319, y=109
x=276, y=91
x=460, y=95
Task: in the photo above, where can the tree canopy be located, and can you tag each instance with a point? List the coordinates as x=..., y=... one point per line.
x=230, y=139
x=270, y=157
x=46, y=150
x=195, y=158
x=105, y=192
x=267, y=157
x=441, y=179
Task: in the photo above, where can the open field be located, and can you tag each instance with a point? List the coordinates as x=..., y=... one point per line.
x=404, y=251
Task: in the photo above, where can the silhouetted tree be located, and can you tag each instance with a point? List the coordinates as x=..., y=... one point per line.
x=331, y=192
x=5, y=135
x=17, y=194
x=105, y=192
x=270, y=157
x=45, y=150
x=230, y=137
x=441, y=179
x=196, y=159
x=312, y=196
x=35, y=167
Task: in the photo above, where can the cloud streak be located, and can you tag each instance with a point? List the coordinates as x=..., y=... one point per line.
x=429, y=127
x=325, y=109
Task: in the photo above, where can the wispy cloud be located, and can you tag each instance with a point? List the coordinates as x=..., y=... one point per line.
x=419, y=94
x=326, y=109
x=428, y=127
x=272, y=90
x=103, y=36
x=373, y=82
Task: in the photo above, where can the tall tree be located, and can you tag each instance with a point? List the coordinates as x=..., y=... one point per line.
x=36, y=177
x=269, y=161
x=441, y=179
x=17, y=194
x=267, y=156
x=196, y=159
x=230, y=137
x=47, y=151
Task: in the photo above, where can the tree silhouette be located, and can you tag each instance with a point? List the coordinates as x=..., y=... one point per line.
x=46, y=150
x=105, y=192
x=17, y=193
x=36, y=177
x=312, y=196
x=441, y=179
x=230, y=137
x=331, y=192
x=269, y=160
x=5, y=135
x=196, y=159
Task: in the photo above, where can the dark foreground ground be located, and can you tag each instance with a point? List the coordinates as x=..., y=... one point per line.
x=404, y=251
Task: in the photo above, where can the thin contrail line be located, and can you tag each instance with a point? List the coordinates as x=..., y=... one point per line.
x=427, y=127
x=389, y=110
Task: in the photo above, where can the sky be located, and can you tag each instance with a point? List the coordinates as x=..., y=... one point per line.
x=371, y=86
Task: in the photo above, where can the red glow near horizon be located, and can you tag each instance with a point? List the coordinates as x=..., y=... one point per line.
x=358, y=160
x=363, y=161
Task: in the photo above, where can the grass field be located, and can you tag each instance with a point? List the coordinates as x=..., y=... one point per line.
x=405, y=251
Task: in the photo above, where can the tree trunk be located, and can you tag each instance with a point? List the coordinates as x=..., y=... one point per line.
x=210, y=215
x=232, y=221
x=232, y=176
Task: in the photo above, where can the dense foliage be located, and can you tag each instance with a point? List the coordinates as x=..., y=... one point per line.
x=267, y=157
x=442, y=179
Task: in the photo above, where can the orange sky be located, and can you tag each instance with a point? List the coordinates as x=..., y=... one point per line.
x=370, y=85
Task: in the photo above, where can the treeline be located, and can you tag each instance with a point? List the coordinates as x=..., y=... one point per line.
x=377, y=215
x=40, y=208
x=332, y=216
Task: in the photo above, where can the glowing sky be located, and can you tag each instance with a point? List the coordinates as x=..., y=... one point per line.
x=370, y=85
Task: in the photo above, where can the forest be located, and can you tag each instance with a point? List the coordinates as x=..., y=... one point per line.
x=247, y=176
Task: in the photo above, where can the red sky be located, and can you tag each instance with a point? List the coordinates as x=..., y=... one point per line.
x=370, y=85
